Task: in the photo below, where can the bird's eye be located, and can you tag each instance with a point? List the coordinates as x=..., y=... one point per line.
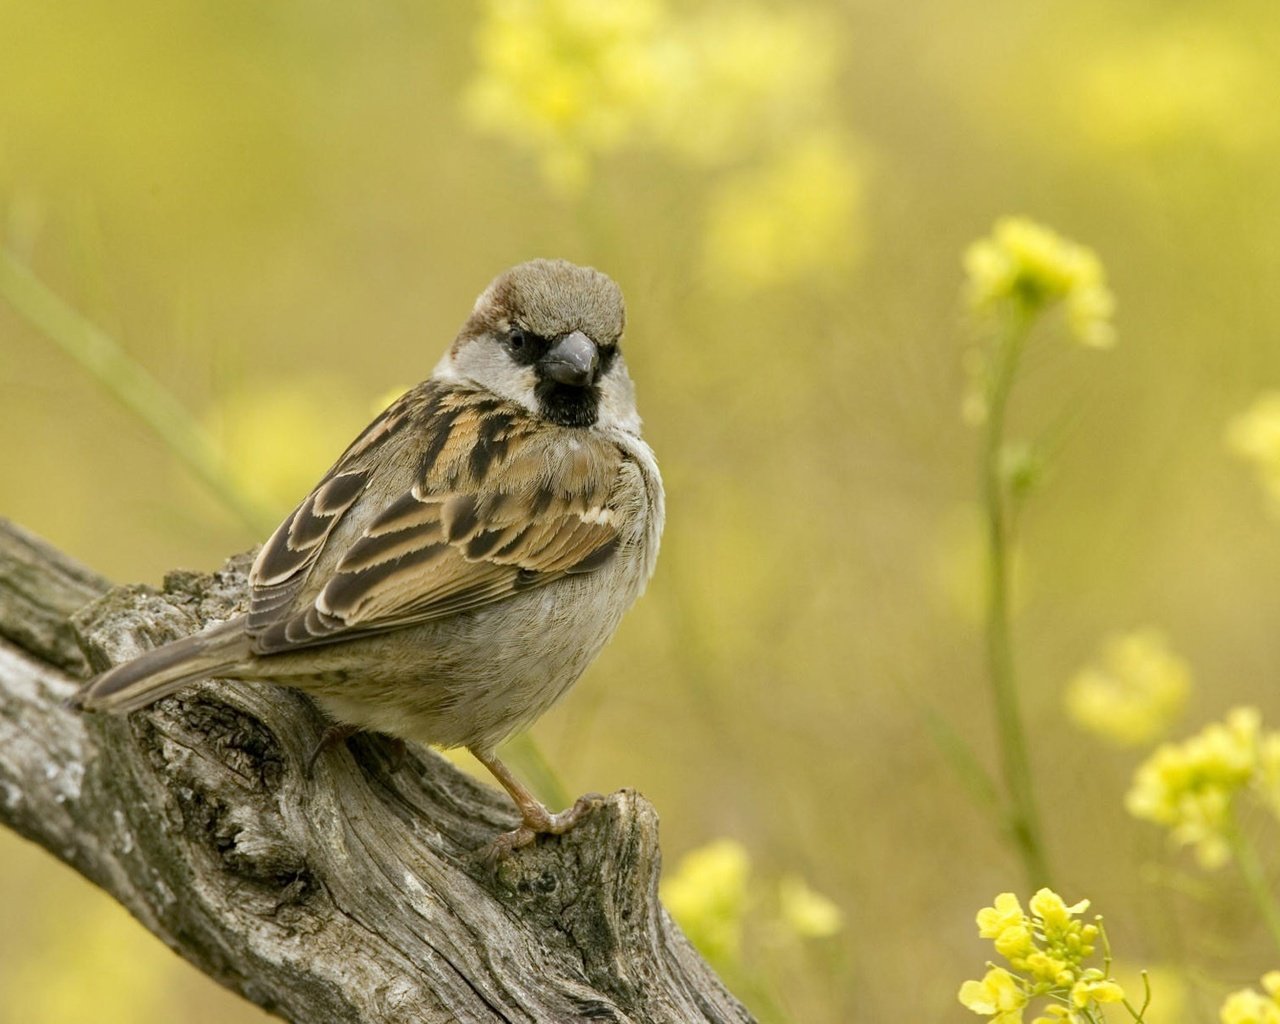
x=519, y=340
x=524, y=346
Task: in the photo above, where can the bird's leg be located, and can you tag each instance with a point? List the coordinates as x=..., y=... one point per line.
x=332, y=736
x=535, y=819
x=339, y=733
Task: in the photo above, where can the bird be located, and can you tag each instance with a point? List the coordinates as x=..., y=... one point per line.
x=468, y=555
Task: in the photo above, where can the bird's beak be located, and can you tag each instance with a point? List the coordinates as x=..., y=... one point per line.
x=573, y=359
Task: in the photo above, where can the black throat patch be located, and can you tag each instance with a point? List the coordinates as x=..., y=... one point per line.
x=566, y=405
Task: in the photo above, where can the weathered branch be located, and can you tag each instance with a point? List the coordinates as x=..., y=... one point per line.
x=353, y=896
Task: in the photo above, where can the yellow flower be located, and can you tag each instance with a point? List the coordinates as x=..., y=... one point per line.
x=1059, y=1014
x=1033, y=267
x=1052, y=909
x=1188, y=82
x=1190, y=787
x=1095, y=987
x=1047, y=949
x=573, y=80
x=751, y=74
x=1254, y=436
x=278, y=440
x=1136, y=691
x=1052, y=971
x=1016, y=944
x=569, y=79
x=796, y=217
x=997, y=995
x=1008, y=927
x=1248, y=1006
x=807, y=913
x=1006, y=913
x=707, y=896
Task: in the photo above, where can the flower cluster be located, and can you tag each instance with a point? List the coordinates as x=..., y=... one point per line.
x=1192, y=787
x=575, y=79
x=1254, y=436
x=568, y=78
x=742, y=91
x=1134, y=693
x=709, y=895
x=1047, y=949
x=1032, y=267
x=1249, y=1006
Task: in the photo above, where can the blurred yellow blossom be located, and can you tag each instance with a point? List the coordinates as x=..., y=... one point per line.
x=807, y=913
x=1136, y=691
x=1191, y=787
x=738, y=86
x=1095, y=987
x=1006, y=913
x=796, y=217
x=1033, y=267
x=1249, y=1006
x=707, y=895
x=567, y=78
x=751, y=74
x=1185, y=82
x=998, y=995
x=279, y=439
x=575, y=79
x=1254, y=435
x=1047, y=947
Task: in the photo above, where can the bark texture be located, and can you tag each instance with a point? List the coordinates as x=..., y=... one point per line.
x=354, y=896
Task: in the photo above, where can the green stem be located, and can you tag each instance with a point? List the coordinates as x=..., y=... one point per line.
x=1015, y=762
x=1255, y=878
x=532, y=764
x=129, y=383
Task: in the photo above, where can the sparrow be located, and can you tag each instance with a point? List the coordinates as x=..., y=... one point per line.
x=468, y=555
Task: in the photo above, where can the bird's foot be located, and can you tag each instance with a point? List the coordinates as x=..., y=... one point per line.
x=537, y=821
x=333, y=736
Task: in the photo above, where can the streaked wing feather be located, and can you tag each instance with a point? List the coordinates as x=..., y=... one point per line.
x=491, y=513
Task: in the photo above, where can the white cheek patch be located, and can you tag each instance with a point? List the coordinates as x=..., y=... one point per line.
x=482, y=362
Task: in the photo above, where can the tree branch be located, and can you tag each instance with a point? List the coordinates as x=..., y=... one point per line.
x=354, y=896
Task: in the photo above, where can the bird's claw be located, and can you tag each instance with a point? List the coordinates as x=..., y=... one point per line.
x=539, y=821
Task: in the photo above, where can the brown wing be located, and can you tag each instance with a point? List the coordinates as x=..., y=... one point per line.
x=285, y=563
x=499, y=503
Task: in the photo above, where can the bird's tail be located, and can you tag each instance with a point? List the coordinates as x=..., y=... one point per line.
x=160, y=672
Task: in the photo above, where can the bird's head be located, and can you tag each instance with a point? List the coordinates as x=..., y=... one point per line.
x=545, y=335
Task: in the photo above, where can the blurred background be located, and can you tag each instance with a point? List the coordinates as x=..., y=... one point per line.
x=284, y=211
